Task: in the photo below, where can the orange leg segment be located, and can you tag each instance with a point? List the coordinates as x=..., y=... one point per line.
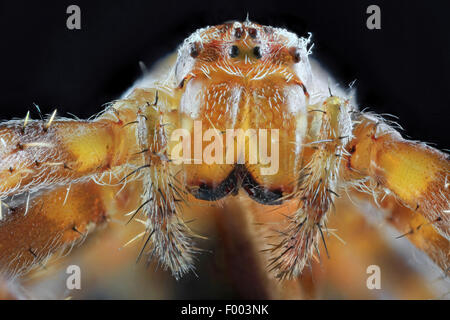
x=34, y=230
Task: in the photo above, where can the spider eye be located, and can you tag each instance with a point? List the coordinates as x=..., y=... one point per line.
x=195, y=50
x=295, y=53
x=238, y=33
x=234, y=51
x=253, y=33
x=257, y=52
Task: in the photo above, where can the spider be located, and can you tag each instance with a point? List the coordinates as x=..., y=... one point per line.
x=159, y=156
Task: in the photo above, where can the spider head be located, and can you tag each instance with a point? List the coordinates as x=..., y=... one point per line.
x=243, y=51
x=244, y=77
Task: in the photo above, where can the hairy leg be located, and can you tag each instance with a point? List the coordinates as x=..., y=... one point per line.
x=38, y=155
x=37, y=227
x=413, y=226
x=381, y=160
x=329, y=131
x=168, y=238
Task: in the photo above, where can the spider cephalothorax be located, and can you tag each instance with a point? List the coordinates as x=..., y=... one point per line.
x=241, y=108
x=243, y=76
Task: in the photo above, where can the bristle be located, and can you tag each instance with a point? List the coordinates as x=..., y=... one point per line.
x=49, y=123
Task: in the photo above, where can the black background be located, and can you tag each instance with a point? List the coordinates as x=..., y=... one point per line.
x=402, y=69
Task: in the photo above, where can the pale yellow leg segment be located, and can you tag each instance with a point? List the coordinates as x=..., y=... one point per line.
x=35, y=156
x=417, y=174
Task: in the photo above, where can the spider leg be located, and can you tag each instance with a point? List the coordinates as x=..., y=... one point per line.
x=34, y=229
x=36, y=155
x=41, y=154
x=356, y=243
x=168, y=239
x=317, y=182
x=415, y=173
x=413, y=226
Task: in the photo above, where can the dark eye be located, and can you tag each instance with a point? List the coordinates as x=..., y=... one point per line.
x=234, y=51
x=295, y=54
x=253, y=33
x=257, y=52
x=195, y=50
x=238, y=33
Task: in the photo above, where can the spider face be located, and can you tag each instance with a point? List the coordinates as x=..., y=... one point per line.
x=240, y=109
x=244, y=77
